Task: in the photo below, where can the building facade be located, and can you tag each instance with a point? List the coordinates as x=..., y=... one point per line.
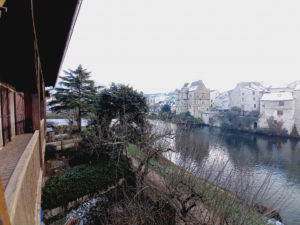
x=246, y=96
x=296, y=93
x=193, y=98
x=221, y=102
x=281, y=107
x=213, y=96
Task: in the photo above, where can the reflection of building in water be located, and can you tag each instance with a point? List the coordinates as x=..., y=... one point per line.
x=190, y=145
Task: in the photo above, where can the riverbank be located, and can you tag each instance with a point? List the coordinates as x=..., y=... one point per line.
x=161, y=173
x=262, y=132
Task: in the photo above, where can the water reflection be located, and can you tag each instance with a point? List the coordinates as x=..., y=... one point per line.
x=259, y=156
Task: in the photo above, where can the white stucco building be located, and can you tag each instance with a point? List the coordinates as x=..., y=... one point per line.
x=246, y=96
x=213, y=96
x=296, y=93
x=280, y=106
x=221, y=103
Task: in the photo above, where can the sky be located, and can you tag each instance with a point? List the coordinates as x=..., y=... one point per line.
x=158, y=45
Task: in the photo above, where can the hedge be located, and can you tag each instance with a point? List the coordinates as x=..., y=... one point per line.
x=81, y=180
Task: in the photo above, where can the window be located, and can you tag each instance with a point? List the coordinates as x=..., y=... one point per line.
x=243, y=94
x=254, y=105
x=242, y=99
x=279, y=112
x=281, y=103
x=253, y=99
x=253, y=92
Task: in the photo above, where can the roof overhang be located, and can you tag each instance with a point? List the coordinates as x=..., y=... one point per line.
x=54, y=23
x=2, y=2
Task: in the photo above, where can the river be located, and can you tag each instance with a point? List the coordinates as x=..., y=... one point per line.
x=262, y=158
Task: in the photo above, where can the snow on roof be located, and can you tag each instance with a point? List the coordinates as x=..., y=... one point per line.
x=297, y=88
x=255, y=87
x=277, y=96
x=193, y=86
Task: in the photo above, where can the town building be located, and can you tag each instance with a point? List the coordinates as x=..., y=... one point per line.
x=193, y=98
x=213, y=96
x=34, y=38
x=296, y=93
x=156, y=101
x=221, y=103
x=246, y=96
x=281, y=107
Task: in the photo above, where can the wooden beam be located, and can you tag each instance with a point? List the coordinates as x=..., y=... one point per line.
x=2, y=2
x=3, y=208
x=36, y=114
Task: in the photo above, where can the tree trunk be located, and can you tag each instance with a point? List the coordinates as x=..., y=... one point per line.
x=79, y=121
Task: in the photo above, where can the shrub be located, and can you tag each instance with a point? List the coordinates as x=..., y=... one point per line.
x=275, y=127
x=295, y=132
x=233, y=120
x=81, y=180
x=188, y=118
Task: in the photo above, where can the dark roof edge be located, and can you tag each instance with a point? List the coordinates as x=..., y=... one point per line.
x=76, y=13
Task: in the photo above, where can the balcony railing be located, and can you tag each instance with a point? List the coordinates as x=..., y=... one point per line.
x=23, y=191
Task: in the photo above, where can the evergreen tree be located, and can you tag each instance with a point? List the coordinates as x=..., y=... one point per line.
x=121, y=101
x=75, y=92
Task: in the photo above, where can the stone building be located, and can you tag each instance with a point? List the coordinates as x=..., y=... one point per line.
x=280, y=106
x=193, y=98
x=246, y=96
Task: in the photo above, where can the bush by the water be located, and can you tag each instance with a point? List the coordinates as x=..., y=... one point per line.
x=81, y=180
x=186, y=118
x=233, y=119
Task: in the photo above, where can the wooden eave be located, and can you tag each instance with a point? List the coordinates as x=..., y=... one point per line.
x=53, y=24
x=2, y=2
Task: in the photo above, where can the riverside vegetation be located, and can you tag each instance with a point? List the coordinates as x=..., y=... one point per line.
x=121, y=143
x=232, y=119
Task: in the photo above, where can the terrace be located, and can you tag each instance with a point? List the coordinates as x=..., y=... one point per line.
x=21, y=172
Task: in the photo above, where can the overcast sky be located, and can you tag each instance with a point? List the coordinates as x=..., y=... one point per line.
x=158, y=45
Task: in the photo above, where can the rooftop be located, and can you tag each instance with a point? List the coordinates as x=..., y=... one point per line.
x=277, y=96
x=297, y=88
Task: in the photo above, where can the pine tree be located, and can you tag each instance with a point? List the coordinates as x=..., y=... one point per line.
x=75, y=92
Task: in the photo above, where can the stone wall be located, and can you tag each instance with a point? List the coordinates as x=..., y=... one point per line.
x=49, y=213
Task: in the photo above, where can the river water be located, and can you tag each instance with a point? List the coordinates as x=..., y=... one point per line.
x=262, y=158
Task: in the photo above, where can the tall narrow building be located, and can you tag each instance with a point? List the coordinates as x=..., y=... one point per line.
x=193, y=98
